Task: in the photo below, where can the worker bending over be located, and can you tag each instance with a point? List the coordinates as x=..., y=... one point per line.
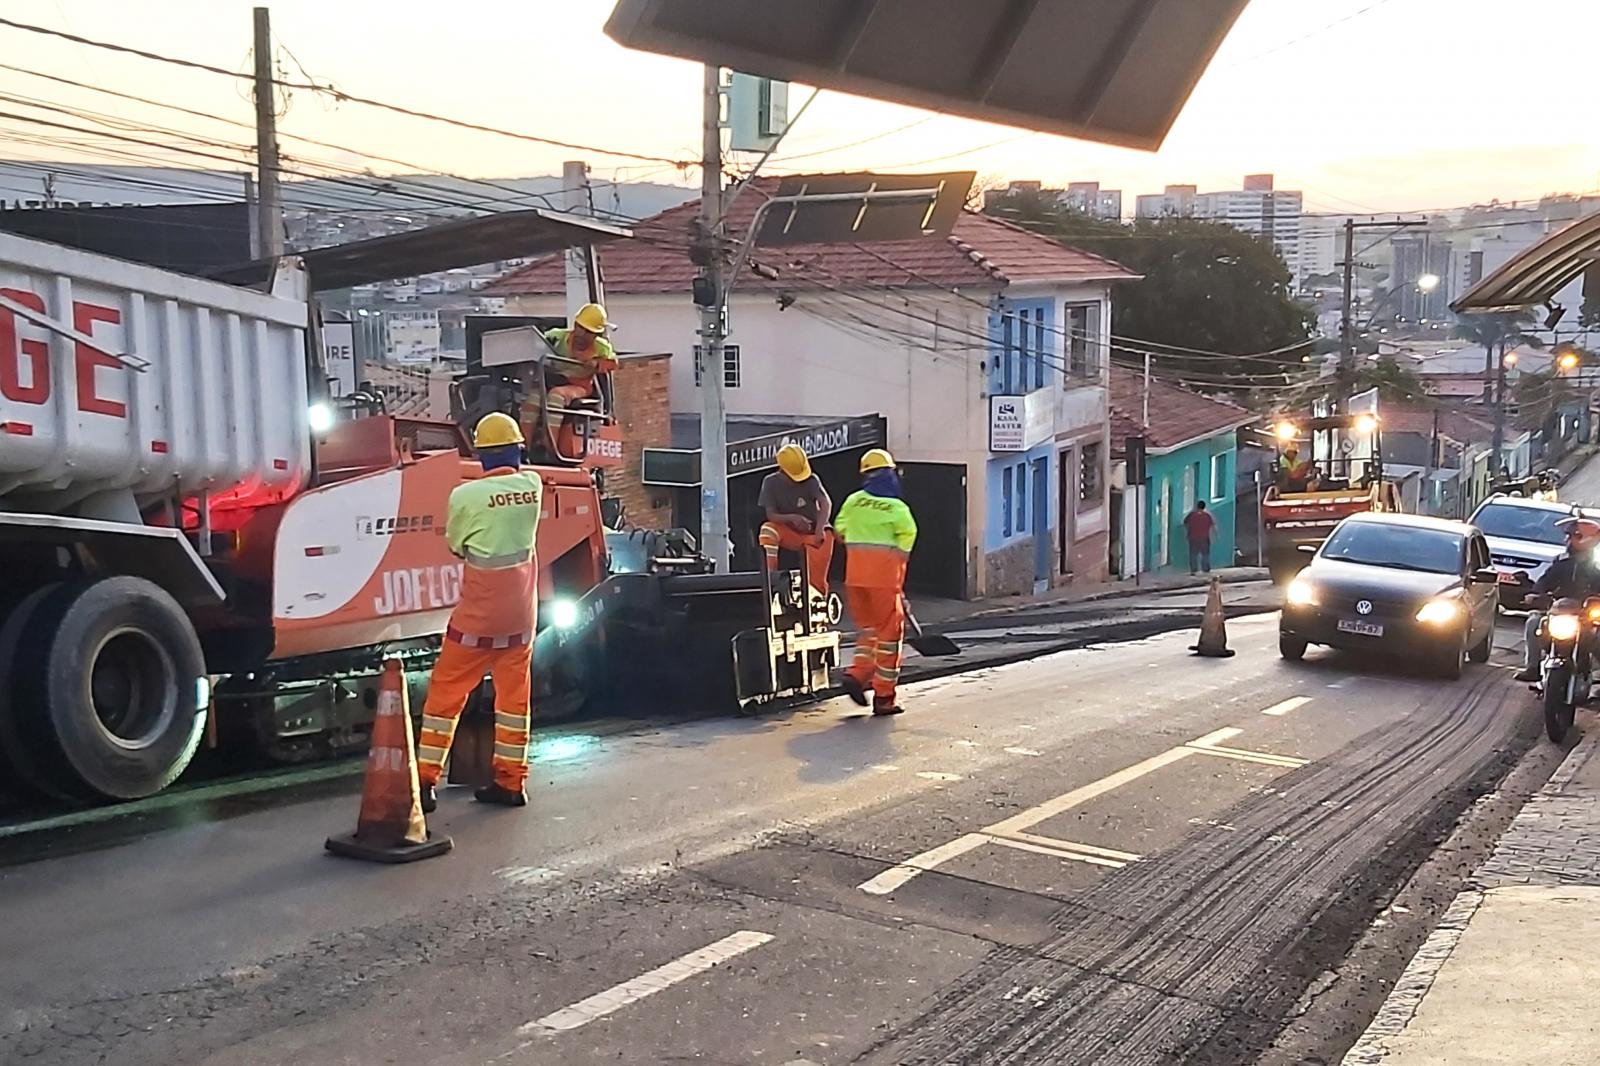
x=797, y=509
x=878, y=532
x=586, y=344
x=492, y=523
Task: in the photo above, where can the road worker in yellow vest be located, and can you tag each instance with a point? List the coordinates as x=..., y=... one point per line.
x=878, y=532
x=585, y=343
x=492, y=525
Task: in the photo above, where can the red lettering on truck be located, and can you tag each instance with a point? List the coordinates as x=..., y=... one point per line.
x=14, y=352
x=88, y=358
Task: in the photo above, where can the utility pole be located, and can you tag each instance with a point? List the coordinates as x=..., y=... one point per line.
x=1347, y=324
x=710, y=295
x=574, y=199
x=270, y=210
x=1497, y=458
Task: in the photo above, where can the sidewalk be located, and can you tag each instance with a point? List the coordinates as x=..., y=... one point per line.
x=1508, y=976
x=931, y=611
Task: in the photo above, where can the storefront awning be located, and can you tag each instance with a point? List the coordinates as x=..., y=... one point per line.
x=755, y=449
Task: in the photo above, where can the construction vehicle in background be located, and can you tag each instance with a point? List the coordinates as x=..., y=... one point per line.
x=1341, y=474
x=203, y=547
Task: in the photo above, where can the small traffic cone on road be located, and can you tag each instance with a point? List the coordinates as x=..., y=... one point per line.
x=1213, y=626
x=390, y=827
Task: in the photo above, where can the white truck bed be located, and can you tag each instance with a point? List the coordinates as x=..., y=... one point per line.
x=119, y=378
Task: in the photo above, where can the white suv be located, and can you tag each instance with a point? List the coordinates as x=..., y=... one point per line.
x=1523, y=541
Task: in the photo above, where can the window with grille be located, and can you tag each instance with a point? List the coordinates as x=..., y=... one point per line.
x=730, y=365
x=1090, y=486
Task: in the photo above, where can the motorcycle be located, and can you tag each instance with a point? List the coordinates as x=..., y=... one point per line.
x=1567, y=668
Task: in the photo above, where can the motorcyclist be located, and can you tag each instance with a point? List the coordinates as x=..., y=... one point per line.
x=1575, y=574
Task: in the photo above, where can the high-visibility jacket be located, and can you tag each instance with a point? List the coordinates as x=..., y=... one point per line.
x=879, y=533
x=492, y=524
x=601, y=358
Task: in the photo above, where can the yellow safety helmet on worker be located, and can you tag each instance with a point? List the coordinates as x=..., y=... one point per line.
x=496, y=430
x=877, y=459
x=792, y=460
x=591, y=317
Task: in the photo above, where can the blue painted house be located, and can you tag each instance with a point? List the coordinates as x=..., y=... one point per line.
x=1191, y=445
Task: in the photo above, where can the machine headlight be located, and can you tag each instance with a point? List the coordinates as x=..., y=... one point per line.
x=1563, y=626
x=320, y=418
x=1440, y=612
x=563, y=614
x=1301, y=593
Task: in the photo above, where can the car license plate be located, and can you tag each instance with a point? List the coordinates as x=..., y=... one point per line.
x=1361, y=629
x=1507, y=579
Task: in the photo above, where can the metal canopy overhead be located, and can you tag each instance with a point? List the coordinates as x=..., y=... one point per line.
x=1537, y=273
x=1117, y=71
x=505, y=235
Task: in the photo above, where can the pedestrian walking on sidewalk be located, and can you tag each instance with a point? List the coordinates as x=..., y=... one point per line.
x=492, y=524
x=1198, y=525
x=796, y=509
x=878, y=532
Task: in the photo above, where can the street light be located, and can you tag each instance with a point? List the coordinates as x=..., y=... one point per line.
x=1428, y=282
x=1568, y=361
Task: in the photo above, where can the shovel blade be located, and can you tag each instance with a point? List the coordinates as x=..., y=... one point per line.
x=934, y=645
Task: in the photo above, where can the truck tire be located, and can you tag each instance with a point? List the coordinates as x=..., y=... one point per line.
x=109, y=696
x=17, y=762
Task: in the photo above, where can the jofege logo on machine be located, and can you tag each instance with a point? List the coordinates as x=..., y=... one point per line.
x=420, y=588
x=389, y=527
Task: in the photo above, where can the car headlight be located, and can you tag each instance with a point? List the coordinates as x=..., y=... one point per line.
x=1439, y=612
x=1563, y=626
x=1301, y=593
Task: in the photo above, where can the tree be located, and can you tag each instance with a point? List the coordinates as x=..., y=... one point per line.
x=1206, y=287
x=1394, y=382
x=1492, y=332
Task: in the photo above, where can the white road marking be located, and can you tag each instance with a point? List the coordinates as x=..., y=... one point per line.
x=1011, y=831
x=1055, y=853
x=1278, y=710
x=937, y=775
x=896, y=876
x=884, y=768
x=1073, y=845
x=1022, y=751
x=661, y=978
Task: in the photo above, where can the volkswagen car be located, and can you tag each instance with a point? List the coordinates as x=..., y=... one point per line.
x=1397, y=586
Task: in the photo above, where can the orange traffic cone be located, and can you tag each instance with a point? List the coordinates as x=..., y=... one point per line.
x=1213, y=626
x=390, y=827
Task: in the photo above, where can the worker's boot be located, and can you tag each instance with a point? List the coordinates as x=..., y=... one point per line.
x=854, y=689
x=501, y=796
x=883, y=707
x=430, y=800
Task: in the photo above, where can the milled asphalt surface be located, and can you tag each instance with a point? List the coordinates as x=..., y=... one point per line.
x=692, y=893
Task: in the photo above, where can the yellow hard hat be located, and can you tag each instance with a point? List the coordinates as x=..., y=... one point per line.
x=877, y=459
x=591, y=317
x=496, y=430
x=792, y=461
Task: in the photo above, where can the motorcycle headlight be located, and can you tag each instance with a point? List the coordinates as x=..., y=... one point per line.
x=1563, y=626
x=1439, y=612
x=1301, y=593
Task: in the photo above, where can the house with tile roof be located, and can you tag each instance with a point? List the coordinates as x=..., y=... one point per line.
x=1191, y=454
x=979, y=359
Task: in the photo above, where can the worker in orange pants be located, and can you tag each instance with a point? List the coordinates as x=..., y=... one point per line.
x=879, y=532
x=796, y=507
x=492, y=525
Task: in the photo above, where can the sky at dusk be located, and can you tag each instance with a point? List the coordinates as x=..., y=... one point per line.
x=1363, y=104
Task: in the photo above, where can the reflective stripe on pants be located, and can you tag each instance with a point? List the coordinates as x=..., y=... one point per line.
x=880, y=627
x=819, y=557
x=456, y=675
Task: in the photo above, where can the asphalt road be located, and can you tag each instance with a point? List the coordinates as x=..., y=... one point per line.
x=1583, y=485
x=1115, y=854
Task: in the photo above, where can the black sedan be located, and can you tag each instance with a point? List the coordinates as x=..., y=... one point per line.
x=1396, y=585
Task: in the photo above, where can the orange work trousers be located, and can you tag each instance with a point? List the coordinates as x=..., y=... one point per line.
x=880, y=620
x=457, y=673
x=775, y=538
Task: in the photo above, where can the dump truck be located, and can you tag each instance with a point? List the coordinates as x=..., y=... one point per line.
x=204, y=548
x=1340, y=474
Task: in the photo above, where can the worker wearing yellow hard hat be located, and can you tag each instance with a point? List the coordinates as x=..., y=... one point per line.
x=795, y=509
x=492, y=525
x=878, y=532
x=585, y=343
